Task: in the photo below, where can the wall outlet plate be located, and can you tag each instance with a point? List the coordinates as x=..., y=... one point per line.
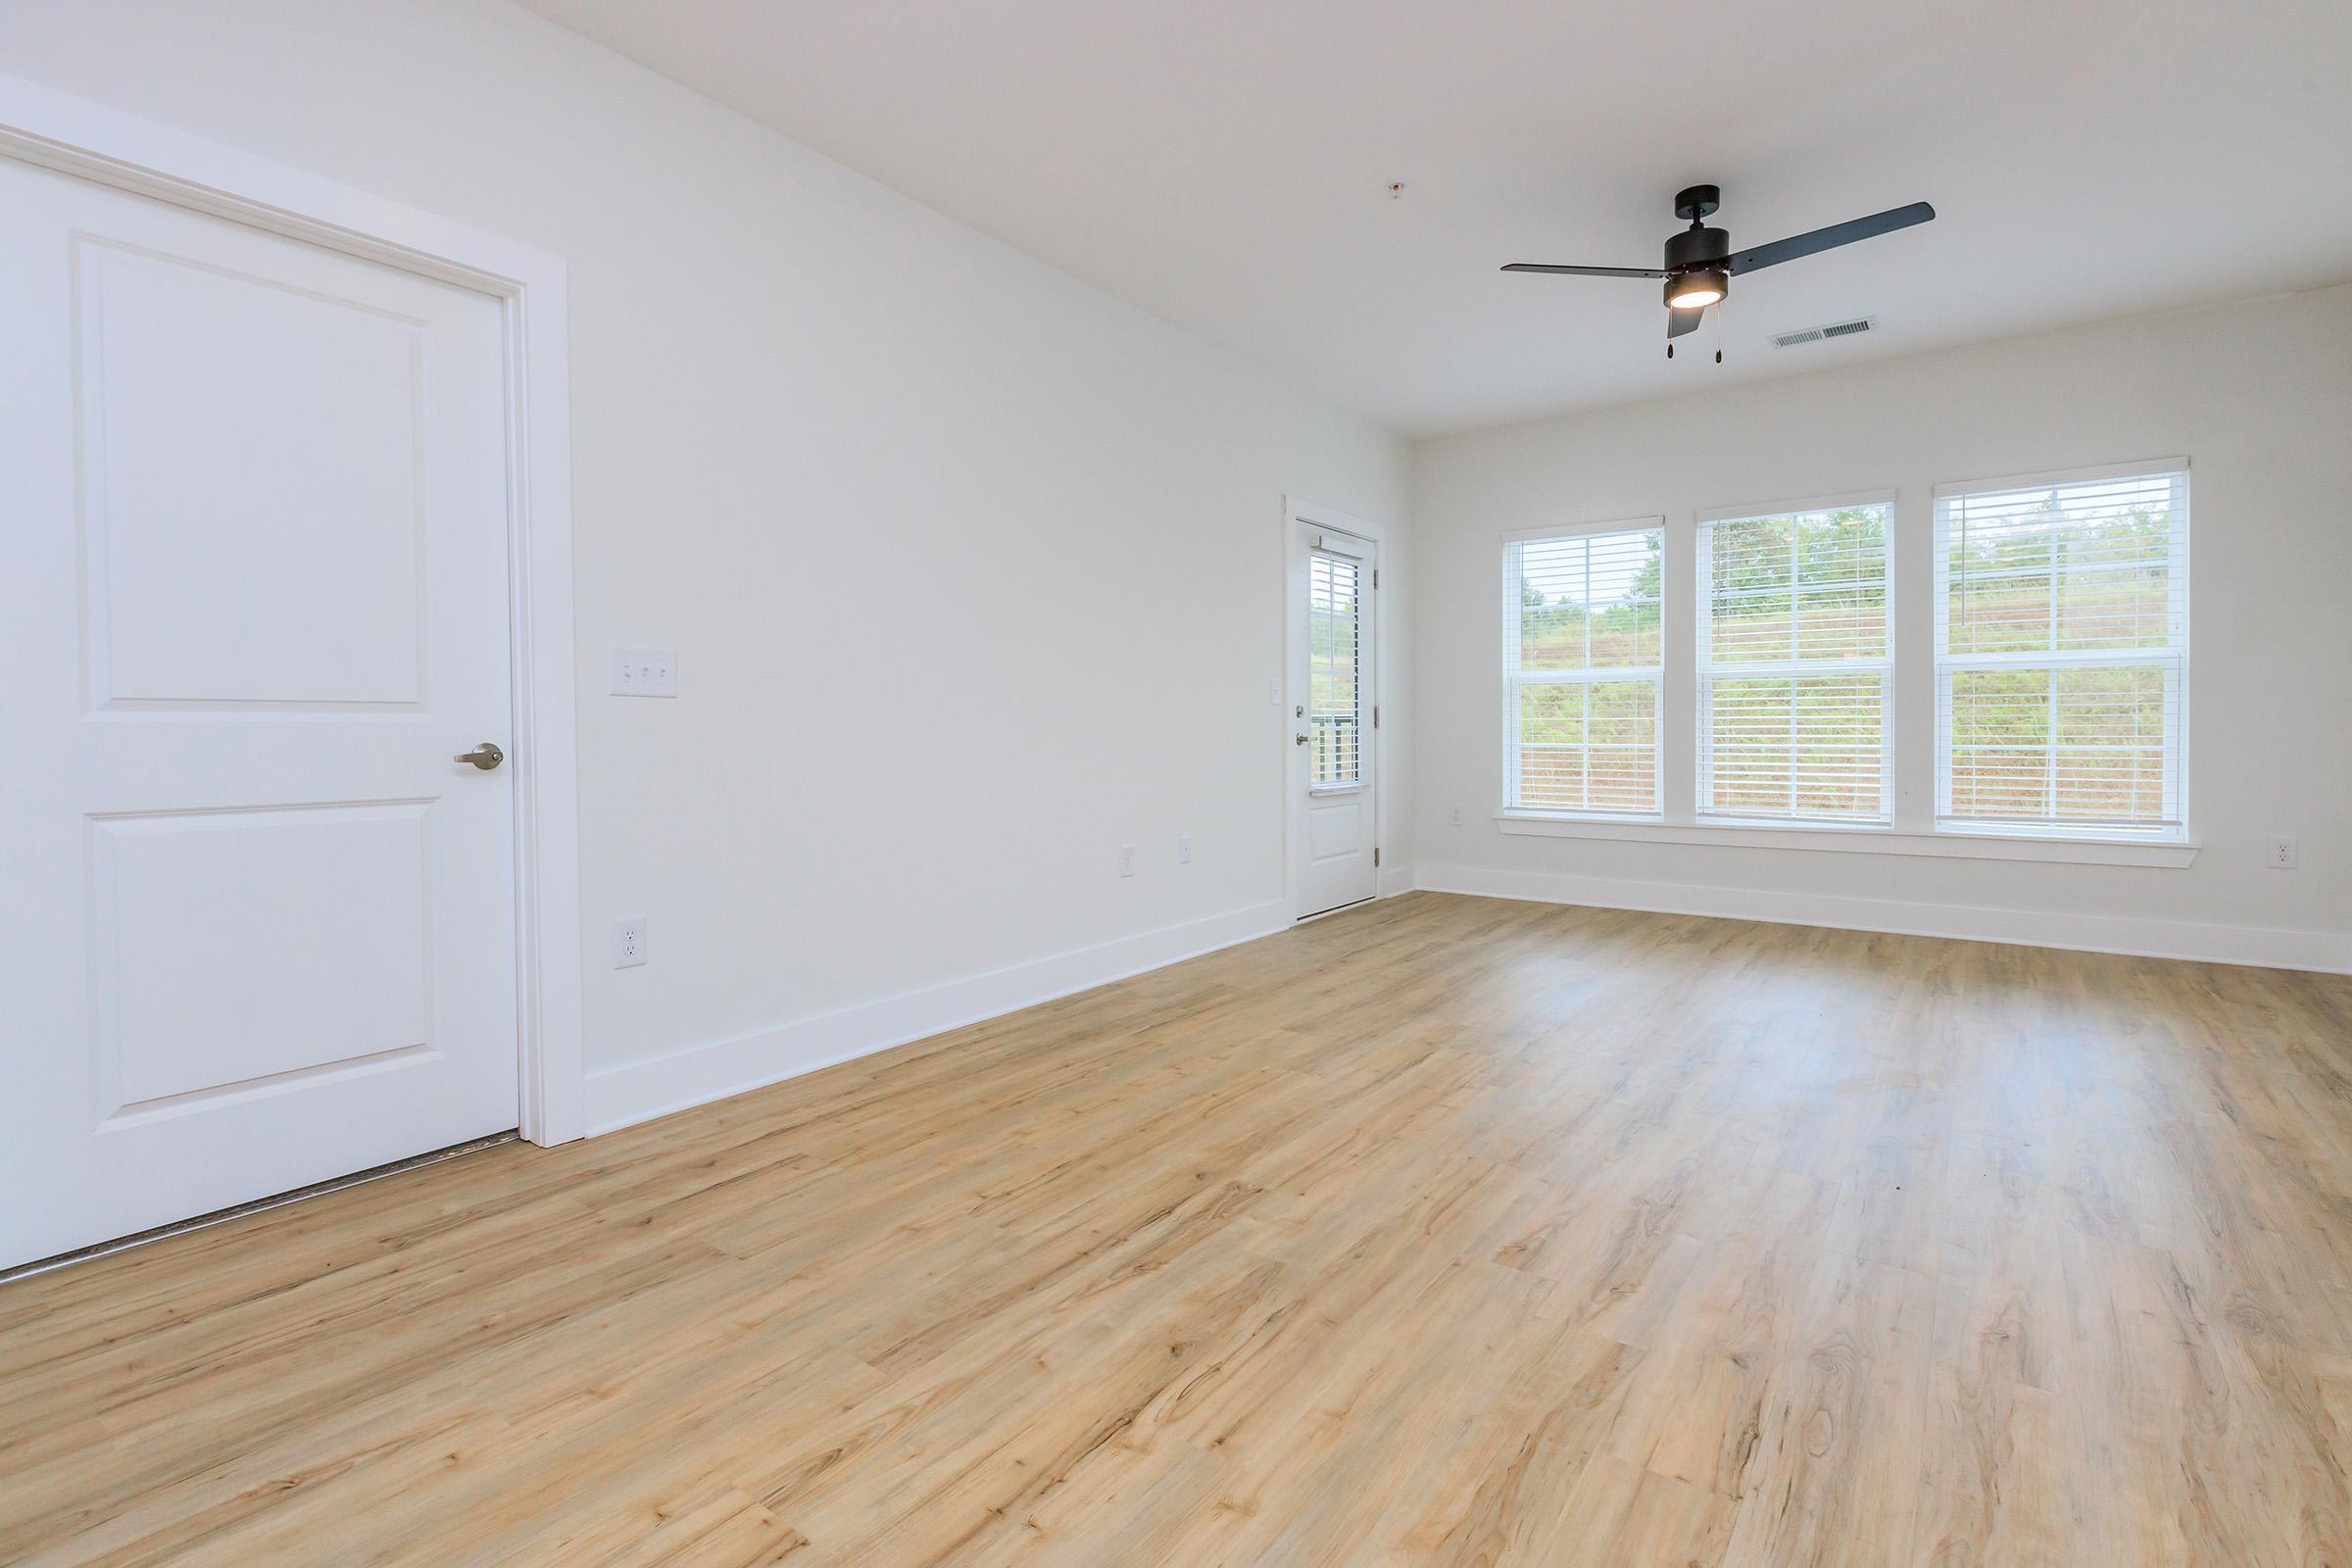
x=1184, y=849
x=1126, y=859
x=645, y=672
x=2283, y=853
x=628, y=941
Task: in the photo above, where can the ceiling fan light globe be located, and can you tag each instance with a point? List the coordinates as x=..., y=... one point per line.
x=1695, y=291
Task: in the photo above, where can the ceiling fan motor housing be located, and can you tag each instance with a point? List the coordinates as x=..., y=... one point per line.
x=1698, y=247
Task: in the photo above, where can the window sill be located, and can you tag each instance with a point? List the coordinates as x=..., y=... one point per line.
x=1858, y=839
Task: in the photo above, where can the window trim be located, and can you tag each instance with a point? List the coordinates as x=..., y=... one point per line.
x=1859, y=838
x=1945, y=663
x=1512, y=680
x=1701, y=670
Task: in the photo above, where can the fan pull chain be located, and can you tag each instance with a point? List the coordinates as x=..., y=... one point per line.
x=1720, y=306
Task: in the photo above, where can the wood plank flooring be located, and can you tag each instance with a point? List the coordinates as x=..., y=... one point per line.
x=1449, y=1231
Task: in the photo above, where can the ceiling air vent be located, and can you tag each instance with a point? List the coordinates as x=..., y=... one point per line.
x=1815, y=334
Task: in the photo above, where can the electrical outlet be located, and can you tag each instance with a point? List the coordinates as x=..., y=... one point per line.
x=1453, y=819
x=628, y=941
x=1126, y=859
x=1184, y=849
x=2283, y=853
x=645, y=672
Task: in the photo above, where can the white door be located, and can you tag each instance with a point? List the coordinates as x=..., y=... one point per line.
x=259, y=924
x=1335, y=805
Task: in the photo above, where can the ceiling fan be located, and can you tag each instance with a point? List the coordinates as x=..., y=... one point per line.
x=1700, y=262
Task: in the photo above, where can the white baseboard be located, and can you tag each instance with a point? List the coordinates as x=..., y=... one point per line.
x=639, y=1091
x=2264, y=946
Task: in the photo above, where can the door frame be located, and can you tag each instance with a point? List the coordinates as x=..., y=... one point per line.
x=55, y=130
x=1298, y=516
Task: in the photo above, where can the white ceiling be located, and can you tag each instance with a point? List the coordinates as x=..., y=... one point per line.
x=1223, y=164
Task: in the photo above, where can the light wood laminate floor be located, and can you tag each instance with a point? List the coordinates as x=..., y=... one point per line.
x=1445, y=1231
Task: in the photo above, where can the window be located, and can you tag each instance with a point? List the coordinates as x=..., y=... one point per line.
x=1793, y=666
x=1334, y=659
x=1581, y=671
x=2062, y=639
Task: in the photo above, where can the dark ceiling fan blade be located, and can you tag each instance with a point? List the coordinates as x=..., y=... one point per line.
x=1830, y=238
x=1585, y=271
x=1680, y=321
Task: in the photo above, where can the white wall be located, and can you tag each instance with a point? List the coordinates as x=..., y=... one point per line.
x=2258, y=395
x=973, y=573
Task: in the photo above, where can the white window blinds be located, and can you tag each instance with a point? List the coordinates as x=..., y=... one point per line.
x=1794, y=665
x=2062, y=642
x=1580, y=672
x=1335, y=661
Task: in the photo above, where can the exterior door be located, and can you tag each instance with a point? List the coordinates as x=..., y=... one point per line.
x=1334, y=786
x=259, y=924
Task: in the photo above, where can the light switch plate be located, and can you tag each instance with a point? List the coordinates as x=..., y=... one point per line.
x=645, y=672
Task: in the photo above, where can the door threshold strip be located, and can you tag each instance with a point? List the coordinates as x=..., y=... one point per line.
x=180, y=1227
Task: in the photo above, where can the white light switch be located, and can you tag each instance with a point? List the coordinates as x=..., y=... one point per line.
x=645, y=672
